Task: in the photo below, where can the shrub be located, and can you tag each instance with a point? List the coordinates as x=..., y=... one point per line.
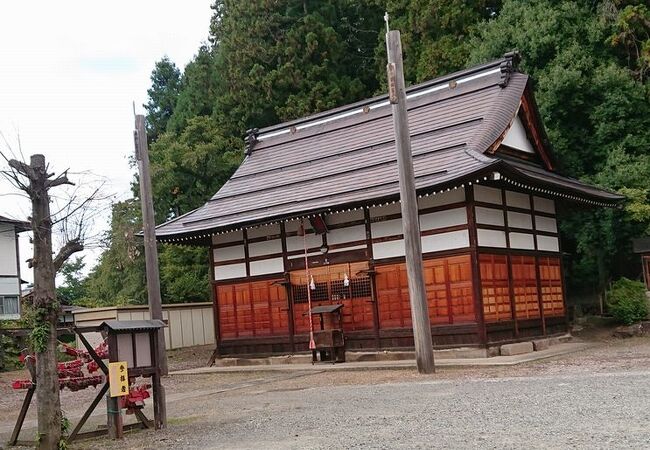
x=626, y=301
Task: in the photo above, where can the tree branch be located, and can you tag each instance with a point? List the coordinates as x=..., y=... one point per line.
x=58, y=181
x=66, y=251
x=23, y=169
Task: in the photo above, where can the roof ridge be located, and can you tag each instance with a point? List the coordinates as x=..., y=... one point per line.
x=504, y=66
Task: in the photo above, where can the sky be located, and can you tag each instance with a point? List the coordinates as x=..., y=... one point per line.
x=69, y=74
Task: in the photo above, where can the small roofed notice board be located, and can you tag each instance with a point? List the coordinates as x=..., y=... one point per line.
x=118, y=374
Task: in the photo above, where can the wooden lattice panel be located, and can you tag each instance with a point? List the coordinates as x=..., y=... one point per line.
x=495, y=288
x=448, y=284
x=524, y=280
x=550, y=275
x=329, y=283
x=252, y=309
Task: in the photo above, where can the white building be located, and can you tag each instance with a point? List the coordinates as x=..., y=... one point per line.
x=10, y=267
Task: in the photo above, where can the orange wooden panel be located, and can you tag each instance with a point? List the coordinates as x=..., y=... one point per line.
x=448, y=285
x=551, y=282
x=252, y=309
x=524, y=280
x=357, y=308
x=495, y=287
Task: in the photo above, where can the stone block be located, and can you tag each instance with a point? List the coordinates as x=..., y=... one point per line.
x=518, y=348
x=493, y=351
x=541, y=344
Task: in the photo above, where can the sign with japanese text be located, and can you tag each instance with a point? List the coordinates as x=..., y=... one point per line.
x=118, y=375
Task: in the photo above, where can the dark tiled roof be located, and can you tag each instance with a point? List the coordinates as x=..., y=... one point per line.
x=347, y=156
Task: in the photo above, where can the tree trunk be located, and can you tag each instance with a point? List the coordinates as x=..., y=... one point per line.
x=46, y=308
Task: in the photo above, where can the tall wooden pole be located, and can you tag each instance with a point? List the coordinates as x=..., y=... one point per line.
x=409, y=203
x=149, y=226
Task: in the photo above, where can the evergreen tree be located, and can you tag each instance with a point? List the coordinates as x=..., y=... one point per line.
x=435, y=34
x=119, y=276
x=282, y=59
x=163, y=94
x=597, y=115
x=73, y=289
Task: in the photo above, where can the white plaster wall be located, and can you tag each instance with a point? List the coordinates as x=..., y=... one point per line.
x=487, y=194
x=489, y=216
x=522, y=241
x=264, y=230
x=516, y=137
x=348, y=234
x=297, y=243
x=229, y=253
x=265, y=247
x=230, y=271
x=546, y=205
x=445, y=241
x=441, y=219
x=491, y=238
x=517, y=199
x=344, y=217
x=388, y=249
x=393, y=208
x=520, y=220
x=228, y=237
x=8, y=251
x=445, y=198
x=265, y=266
x=548, y=243
x=386, y=228
x=548, y=224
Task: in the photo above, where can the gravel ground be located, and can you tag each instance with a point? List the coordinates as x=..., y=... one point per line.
x=595, y=399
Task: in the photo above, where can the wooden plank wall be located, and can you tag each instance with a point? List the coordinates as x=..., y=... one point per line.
x=188, y=324
x=260, y=281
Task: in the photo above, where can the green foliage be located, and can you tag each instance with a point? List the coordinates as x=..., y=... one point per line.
x=119, y=276
x=188, y=168
x=184, y=275
x=279, y=60
x=66, y=425
x=273, y=60
x=10, y=348
x=163, y=94
x=597, y=115
x=39, y=336
x=630, y=33
x=73, y=288
x=627, y=302
x=434, y=34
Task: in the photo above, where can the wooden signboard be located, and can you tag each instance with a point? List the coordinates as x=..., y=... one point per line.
x=118, y=374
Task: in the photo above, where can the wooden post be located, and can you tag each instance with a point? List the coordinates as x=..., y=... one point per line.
x=410, y=219
x=114, y=415
x=149, y=224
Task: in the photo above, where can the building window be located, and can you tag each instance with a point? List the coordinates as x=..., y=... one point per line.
x=9, y=306
x=332, y=283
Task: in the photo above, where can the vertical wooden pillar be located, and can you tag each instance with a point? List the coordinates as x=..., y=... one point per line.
x=537, y=276
x=372, y=276
x=511, y=281
x=149, y=230
x=159, y=409
x=113, y=411
x=214, y=297
x=287, y=287
x=409, y=206
x=476, y=267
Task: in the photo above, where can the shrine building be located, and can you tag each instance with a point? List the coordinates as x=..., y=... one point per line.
x=488, y=194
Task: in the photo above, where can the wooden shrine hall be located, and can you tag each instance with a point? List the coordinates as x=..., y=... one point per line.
x=488, y=196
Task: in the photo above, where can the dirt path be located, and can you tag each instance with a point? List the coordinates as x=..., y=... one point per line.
x=247, y=404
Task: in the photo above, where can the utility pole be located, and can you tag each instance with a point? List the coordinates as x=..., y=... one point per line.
x=409, y=203
x=149, y=226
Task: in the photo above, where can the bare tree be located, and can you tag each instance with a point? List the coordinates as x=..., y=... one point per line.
x=71, y=219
